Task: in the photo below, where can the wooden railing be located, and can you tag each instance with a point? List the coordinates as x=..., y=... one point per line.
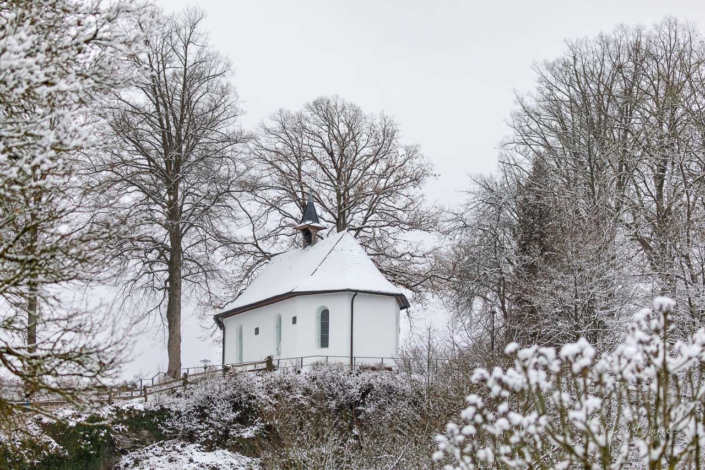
x=143, y=388
x=357, y=362
x=160, y=383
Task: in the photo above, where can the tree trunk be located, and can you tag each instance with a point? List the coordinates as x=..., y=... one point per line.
x=32, y=306
x=32, y=316
x=32, y=287
x=173, y=308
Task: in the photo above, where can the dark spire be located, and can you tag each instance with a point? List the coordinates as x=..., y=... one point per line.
x=309, y=225
x=310, y=215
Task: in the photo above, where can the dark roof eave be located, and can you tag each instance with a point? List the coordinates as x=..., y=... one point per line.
x=401, y=300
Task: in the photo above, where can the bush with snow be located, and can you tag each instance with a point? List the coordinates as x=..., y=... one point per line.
x=215, y=413
x=638, y=406
x=328, y=417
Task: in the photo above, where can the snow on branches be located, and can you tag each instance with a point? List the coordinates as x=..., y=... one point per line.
x=640, y=405
x=58, y=58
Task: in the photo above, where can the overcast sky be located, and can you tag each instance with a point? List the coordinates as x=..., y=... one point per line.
x=446, y=70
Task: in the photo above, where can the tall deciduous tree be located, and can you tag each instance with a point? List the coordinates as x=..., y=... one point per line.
x=615, y=120
x=614, y=123
x=174, y=166
x=56, y=58
x=363, y=178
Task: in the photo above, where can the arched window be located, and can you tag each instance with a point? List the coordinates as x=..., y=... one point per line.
x=239, y=343
x=323, y=327
x=278, y=336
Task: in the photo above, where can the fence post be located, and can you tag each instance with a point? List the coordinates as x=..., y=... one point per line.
x=144, y=392
x=110, y=396
x=184, y=380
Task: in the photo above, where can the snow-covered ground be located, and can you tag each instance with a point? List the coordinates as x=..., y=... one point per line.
x=176, y=454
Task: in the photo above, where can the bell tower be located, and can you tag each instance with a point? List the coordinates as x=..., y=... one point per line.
x=309, y=225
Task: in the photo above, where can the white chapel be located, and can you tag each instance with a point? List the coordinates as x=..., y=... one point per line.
x=324, y=301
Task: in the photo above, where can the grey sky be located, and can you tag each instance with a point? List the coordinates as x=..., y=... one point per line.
x=447, y=70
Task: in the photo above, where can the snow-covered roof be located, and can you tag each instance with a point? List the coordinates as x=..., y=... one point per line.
x=337, y=263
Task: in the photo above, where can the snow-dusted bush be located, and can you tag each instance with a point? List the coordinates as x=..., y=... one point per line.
x=332, y=418
x=638, y=406
x=328, y=417
x=67, y=439
x=215, y=413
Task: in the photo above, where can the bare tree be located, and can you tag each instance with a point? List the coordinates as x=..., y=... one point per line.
x=174, y=166
x=616, y=120
x=616, y=124
x=363, y=178
x=478, y=261
x=59, y=57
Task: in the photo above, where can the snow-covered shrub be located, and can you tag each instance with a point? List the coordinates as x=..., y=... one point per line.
x=214, y=413
x=328, y=417
x=67, y=440
x=638, y=406
x=334, y=418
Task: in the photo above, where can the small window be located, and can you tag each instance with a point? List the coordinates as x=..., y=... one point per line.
x=256, y=331
x=293, y=320
x=323, y=328
x=239, y=343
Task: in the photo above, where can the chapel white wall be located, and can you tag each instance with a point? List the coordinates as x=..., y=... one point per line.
x=376, y=328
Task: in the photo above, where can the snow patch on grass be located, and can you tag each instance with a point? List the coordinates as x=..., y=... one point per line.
x=177, y=454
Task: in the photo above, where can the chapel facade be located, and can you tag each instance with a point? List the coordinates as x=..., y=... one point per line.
x=325, y=302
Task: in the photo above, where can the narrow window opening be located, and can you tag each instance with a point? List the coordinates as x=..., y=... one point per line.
x=324, y=328
x=278, y=335
x=239, y=343
x=256, y=331
x=293, y=320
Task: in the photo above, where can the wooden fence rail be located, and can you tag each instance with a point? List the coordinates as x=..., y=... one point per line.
x=143, y=388
x=148, y=387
